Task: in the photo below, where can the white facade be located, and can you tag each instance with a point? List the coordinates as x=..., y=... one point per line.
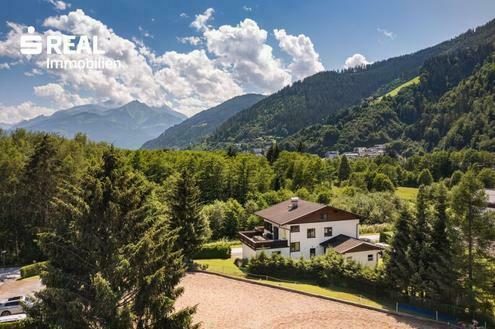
x=346, y=227
x=365, y=258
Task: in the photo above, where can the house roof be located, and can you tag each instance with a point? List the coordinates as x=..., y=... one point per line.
x=344, y=244
x=282, y=213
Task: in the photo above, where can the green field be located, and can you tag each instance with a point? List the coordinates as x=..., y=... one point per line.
x=404, y=193
x=396, y=90
x=407, y=193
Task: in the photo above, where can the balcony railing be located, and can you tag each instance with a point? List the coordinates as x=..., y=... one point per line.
x=255, y=240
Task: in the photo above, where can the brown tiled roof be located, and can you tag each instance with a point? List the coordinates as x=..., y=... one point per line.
x=283, y=213
x=343, y=244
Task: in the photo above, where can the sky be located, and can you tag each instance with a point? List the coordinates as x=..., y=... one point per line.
x=191, y=55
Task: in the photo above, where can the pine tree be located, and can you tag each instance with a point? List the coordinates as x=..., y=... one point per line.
x=184, y=214
x=344, y=169
x=112, y=261
x=420, y=244
x=39, y=184
x=398, y=267
x=442, y=272
x=425, y=177
x=469, y=202
x=272, y=153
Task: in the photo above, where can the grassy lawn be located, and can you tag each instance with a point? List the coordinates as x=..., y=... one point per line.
x=223, y=266
x=332, y=292
x=406, y=193
x=227, y=266
x=395, y=91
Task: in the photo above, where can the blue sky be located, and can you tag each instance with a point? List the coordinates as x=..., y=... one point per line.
x=241, y=46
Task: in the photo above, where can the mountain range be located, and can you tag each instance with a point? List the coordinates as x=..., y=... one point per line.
x=193, y=130
x=419, y=101
x=127, y=126
x=297, y=112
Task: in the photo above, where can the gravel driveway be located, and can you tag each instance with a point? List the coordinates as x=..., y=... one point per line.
x=226, y=303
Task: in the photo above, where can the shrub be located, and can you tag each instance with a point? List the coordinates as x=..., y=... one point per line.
x=329, y=269
x=33, y=269
x=386, y=236
x=219, y=249
x=425, y=178
x=12, y=325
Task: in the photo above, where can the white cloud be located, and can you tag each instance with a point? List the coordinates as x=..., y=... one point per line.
x=246, y=8
x=356, y=60
x=201, y=21
x=390, y=35
x=243, y=50
x=10, y=46
x=60, y=95
x=192, y=40
x=133, y=80
x=195, y=81
x=27, y=110
x=144, y=32
x=305, y=60
x=4, y=66
x=235, y=60
x=184, y=15
x=59, y=5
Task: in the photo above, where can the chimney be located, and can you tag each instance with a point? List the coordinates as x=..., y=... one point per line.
x=294, y=202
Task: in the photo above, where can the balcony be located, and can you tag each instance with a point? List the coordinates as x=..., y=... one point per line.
x=255, y=240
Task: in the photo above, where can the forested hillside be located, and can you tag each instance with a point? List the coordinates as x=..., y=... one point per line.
x=193, y=130
x=451, y=108
x=316, y=98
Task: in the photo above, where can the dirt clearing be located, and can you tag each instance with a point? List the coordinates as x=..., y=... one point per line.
x=226, y=303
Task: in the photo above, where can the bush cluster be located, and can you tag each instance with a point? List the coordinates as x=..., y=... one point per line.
x=33, y=269
x=219, y=249
x=328, y=269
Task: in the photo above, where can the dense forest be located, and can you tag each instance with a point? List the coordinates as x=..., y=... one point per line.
x=451, y=107
x=324, y=99
x=72, y=200
x=195, y=129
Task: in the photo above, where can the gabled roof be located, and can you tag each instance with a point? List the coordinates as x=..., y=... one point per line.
x=282, y=213
x=343, y=244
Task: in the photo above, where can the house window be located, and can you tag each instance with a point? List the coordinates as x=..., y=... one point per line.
x=278, y=252
x=370, y=258
x=268, y=227
x=312, y=252
x=311, y=233
x=328, y=231
x=294, y=228
x=324, y=216
x=295, y=246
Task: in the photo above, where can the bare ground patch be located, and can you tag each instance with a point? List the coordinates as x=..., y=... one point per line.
x=225, y=303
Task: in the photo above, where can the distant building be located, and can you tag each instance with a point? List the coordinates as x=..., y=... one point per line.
x=351, y=155
x=258, y=151
x=331, y=154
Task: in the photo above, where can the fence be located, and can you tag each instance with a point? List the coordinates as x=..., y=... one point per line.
x=456, y=318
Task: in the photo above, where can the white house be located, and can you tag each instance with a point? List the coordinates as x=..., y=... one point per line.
x=298, y=228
